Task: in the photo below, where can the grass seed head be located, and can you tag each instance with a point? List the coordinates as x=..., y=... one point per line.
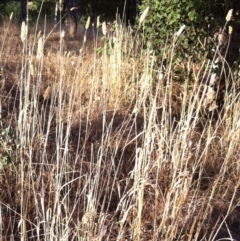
x=179, y=32
x=62, y=35
x=144, y=15
x=87, y=23
x=98, y=22
x=32, y=70
x=104, y=28
x=73, y=8
x=229, y=15
x=40, y=48
x=47, y=93
x=24, y=31
x=10, y=18
x=39, y=34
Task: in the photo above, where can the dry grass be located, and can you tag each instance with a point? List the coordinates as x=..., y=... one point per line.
x=109, y=147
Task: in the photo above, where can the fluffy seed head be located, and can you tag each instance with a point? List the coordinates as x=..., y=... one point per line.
x=47, y=93
x=40, y=48
x=24, y=31
x=87, y=23
x=10, y=18
x=104, y=28
x=98, y=21
x=73, y=8
x=144, y=15
x=229, y=15
x=32, y=70
x=180, y=31
x=39, y=34
x=62, y=34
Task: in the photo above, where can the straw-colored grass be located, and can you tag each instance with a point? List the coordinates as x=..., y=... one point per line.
x=107, y=146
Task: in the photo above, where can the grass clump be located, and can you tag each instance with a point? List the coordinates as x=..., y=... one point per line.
x=110, y=147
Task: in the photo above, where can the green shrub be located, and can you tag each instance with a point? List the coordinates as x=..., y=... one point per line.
x=202, y=19
x=7, y=146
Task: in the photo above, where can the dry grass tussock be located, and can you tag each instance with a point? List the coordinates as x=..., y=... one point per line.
x=98, y=142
